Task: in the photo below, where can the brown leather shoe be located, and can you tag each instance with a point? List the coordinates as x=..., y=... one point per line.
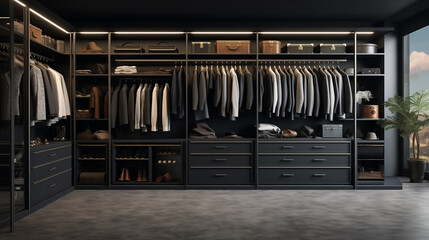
x=144, y=177
x=139, y=176
x=121, y=178
x=288, y=133
x=159, y=179
x=127, y=175
x=167, y=177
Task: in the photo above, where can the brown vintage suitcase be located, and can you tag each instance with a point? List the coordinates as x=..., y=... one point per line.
x=270, y=46
x=36, y=34
x=368, y=111
x=299, y=48
x=232, y=46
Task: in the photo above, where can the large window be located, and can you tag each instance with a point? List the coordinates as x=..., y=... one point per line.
x=419, y=75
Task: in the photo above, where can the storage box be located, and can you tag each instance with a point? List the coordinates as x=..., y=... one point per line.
x=332, y=48
x=367, y=48
x=332, y=130
x=270, y=46
x=371, y=70
x=201, y=47
x=232, y=46
x=368, y=111
x=300, y=48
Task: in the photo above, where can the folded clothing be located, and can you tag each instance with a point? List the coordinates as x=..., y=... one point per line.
x=202, y=130
x=126, y=69
x=266, y=130
x=84, y=71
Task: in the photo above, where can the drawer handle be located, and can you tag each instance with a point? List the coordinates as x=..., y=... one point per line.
x=288, y=175
x=52, y=169
x=319, y=175
x=319, y=160
x=288, y=147
x=220, y=159
x=288, y=159
x=52, y=155
x=221, y=175
x=319, y=147
x=52, y=185
x=220, y=147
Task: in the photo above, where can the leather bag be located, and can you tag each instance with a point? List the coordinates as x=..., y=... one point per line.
x=232, y=46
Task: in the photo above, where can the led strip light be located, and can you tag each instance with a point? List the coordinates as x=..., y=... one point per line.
x=43, y=17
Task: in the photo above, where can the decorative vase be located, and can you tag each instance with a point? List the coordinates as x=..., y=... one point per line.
x=416, y=170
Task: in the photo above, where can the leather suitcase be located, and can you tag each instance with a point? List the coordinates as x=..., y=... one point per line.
x=232, y=46
x=332, y=130
x=270, y=46
x=299, y=48
x=368, y=111
x=332, y=48
x=36, y=34
x=201, y=47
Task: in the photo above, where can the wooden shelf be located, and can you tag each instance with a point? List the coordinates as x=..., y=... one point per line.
x=132, y=159
x=92, y=75
x=91, y=159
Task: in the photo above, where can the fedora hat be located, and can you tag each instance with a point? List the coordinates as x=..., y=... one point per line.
x=91, y=48
x=371, y=136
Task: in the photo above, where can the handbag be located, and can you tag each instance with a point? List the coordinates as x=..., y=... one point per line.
x=129, y=47
x=163, y=47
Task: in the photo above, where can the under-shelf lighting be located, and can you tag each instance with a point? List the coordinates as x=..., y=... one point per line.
x=49, y=21
x=20, y=3
x=306, y=33
x=42, y=17
x=229, y=33
x=93, y=33
x=365, y=33
x=149, y=33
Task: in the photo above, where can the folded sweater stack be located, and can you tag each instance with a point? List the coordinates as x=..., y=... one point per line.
x=126, y=70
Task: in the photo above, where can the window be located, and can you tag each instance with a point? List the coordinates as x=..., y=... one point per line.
x=419, y=76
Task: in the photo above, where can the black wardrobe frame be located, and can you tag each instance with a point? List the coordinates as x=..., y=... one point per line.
x=379, y=32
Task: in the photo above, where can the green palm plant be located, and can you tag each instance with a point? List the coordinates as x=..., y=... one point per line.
x=412, y=115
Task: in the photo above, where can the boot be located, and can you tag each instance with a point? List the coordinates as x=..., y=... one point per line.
x=121, y=178
x=127, y=175
x=144, y=177
x=139, y=176
x=167, y=177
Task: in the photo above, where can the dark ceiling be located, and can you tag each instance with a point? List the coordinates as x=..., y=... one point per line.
x=93, y=14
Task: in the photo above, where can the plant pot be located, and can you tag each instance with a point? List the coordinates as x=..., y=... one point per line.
x=416, y=170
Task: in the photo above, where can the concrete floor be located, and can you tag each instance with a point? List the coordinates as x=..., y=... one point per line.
x=228, y=214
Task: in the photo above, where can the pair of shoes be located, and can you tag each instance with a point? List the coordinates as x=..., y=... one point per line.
x=125, y=175
x=142, y=176
x=164, y=178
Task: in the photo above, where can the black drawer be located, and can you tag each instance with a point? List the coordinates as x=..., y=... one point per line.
x=50, y=168
x=303, y=176
x=220, y=176
x=221, y=161
x=219, y=147
x=42, y=156
x=304, y=161
x=45, y=188
x=294, y=147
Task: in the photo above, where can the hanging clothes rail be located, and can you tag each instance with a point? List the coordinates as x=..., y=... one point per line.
x=150, y=60
x=20, y=51
x=302, y=60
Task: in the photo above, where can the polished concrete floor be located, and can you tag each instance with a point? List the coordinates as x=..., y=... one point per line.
x=228, y=214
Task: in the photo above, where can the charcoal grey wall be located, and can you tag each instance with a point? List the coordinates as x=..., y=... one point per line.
x=393, y=157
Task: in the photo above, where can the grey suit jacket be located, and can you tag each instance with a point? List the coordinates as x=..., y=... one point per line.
x=241, y=83
x=195, y=90
x=131, y=106
x=181, y=78
x=340, y=109
x=217, y=87
x=348, y=97
x=224, y=93
x=299, y=91
x=174, y=92
x=285, y=93
x=249, y=89
x=114, y=111
x=37, y=94
x=202, y=113
x=49, y=97
x=202, y=90
x=316, y=108
x=293, y=92
x=123, y=105
x=148, y=105
x=310, y=92
x=261, y=90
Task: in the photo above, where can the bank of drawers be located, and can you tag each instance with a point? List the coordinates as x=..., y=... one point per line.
x=50, y=170
x=219, y=162
x=304, y=162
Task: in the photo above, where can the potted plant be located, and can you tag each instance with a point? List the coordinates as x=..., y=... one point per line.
x=411, y=116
